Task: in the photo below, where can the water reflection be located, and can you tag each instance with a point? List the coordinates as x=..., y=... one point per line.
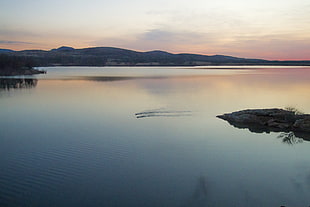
x=84, y=139
x=199, y=197
x=287, y=137
x=308, y=180
x=17, y=83
x=290, y=138
x=116, y=78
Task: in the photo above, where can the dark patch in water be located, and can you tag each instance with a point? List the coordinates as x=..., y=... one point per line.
x=116, y=78
x=199, y=197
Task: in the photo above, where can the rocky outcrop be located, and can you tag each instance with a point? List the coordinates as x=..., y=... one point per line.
x=302, y=124
x=267, y=120
x=20, y=71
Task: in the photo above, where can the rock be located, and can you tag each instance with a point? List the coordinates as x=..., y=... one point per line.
x=259, y=116
x=302, y=124
x=267, y=120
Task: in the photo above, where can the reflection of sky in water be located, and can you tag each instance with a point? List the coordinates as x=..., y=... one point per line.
x=82, y=137
x=74, y=72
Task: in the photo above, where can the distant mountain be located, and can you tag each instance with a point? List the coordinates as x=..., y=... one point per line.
x=5, y=50
x=63, y=48
x=111, y=56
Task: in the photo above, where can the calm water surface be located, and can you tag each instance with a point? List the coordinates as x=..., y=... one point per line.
x=122, y=137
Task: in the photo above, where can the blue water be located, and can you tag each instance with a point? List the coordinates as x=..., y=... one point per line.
x=73, y=137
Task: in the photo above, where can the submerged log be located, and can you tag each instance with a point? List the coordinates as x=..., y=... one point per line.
x=267, y=120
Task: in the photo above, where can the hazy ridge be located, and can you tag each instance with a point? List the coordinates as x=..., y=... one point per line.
x=111, y=56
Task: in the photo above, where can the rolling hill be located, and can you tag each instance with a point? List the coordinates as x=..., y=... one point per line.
x=111, y=56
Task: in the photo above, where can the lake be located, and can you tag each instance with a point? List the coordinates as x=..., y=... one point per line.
x=139, y=136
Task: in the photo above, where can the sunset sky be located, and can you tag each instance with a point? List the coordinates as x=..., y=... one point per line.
x=268, y=29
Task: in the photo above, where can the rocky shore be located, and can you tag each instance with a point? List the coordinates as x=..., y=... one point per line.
x=13, y=65
x=20, y=71
x=267, y=120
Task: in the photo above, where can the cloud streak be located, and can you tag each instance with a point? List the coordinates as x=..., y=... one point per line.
x=170, y=37
x=8, y=42
x=159, y=38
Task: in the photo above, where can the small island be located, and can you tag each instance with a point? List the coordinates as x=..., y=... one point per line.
x=271, y=120
x=17, y=65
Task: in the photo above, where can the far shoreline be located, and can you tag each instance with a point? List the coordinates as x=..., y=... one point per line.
x=20, y=71
x=205, y=67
